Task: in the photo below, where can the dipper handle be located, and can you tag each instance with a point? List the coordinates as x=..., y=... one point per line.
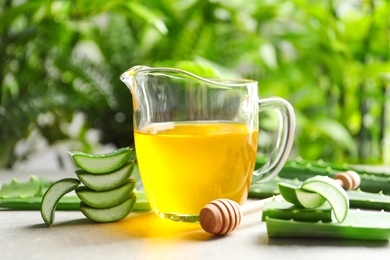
x=222, y=216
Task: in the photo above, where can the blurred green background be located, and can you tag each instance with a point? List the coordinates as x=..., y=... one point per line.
x=60, y=63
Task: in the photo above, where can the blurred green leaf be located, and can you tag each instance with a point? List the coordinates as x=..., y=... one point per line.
x=63, y=58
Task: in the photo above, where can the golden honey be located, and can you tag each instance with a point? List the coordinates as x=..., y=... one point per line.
x=184, y=166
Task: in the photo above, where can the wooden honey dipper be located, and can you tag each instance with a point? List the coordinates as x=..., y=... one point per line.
x=222, y=216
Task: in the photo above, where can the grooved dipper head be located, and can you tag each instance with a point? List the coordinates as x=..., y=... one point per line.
x=220, y=217
x=350, y=180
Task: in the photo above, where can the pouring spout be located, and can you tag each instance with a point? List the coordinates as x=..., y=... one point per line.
x=128, y=76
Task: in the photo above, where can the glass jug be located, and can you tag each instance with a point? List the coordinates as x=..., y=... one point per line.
x=196, y=138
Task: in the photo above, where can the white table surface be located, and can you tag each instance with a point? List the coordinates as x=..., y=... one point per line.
x=143, y=235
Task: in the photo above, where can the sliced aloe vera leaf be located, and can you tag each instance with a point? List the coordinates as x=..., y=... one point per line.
x=103, y=182
x=109, y=214
x=105, y=199
x=286, y=210
x=300, y=197
x=366, y=225
x=101, y=163
x=53, y=194
x=332, y=192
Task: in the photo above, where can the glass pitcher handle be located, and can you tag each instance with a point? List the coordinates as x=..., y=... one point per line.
x=284, y=141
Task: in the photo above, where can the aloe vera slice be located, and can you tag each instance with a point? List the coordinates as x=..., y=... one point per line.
x=103, y=182
x=101, y=163
x=109, y=214
x=287, y=211
x=366, y=225
x=300, y=197
x=332, y=192
x=105, y=199
x=53, y=194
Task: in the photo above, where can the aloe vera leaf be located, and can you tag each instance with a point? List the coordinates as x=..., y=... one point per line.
x=105, y=199
x=101, y=163
x=374, y=184
x=103, y=182
x=303, y=169
x=300, y=197
x=336, y=167
x=18, y=189
x=68, y=202
x=363, y=225
x=322, y=166
x=286, y=210
x=369, y=182
x=367, y=200
x=109, y=214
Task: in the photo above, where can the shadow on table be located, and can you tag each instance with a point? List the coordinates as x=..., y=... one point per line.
x=73, y=222
x=139, y=225
x=149, y=225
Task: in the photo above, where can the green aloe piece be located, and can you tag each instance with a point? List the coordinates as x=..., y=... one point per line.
x=300, y=197
x=101, y=163
x=18, y=189
x=103, y=182
x=105, y=199
x=332, y=192
x=67, y=202
x=287, y=211
x=109, y=214
x=363, y=225
x=53, y=194
x=367, y=200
